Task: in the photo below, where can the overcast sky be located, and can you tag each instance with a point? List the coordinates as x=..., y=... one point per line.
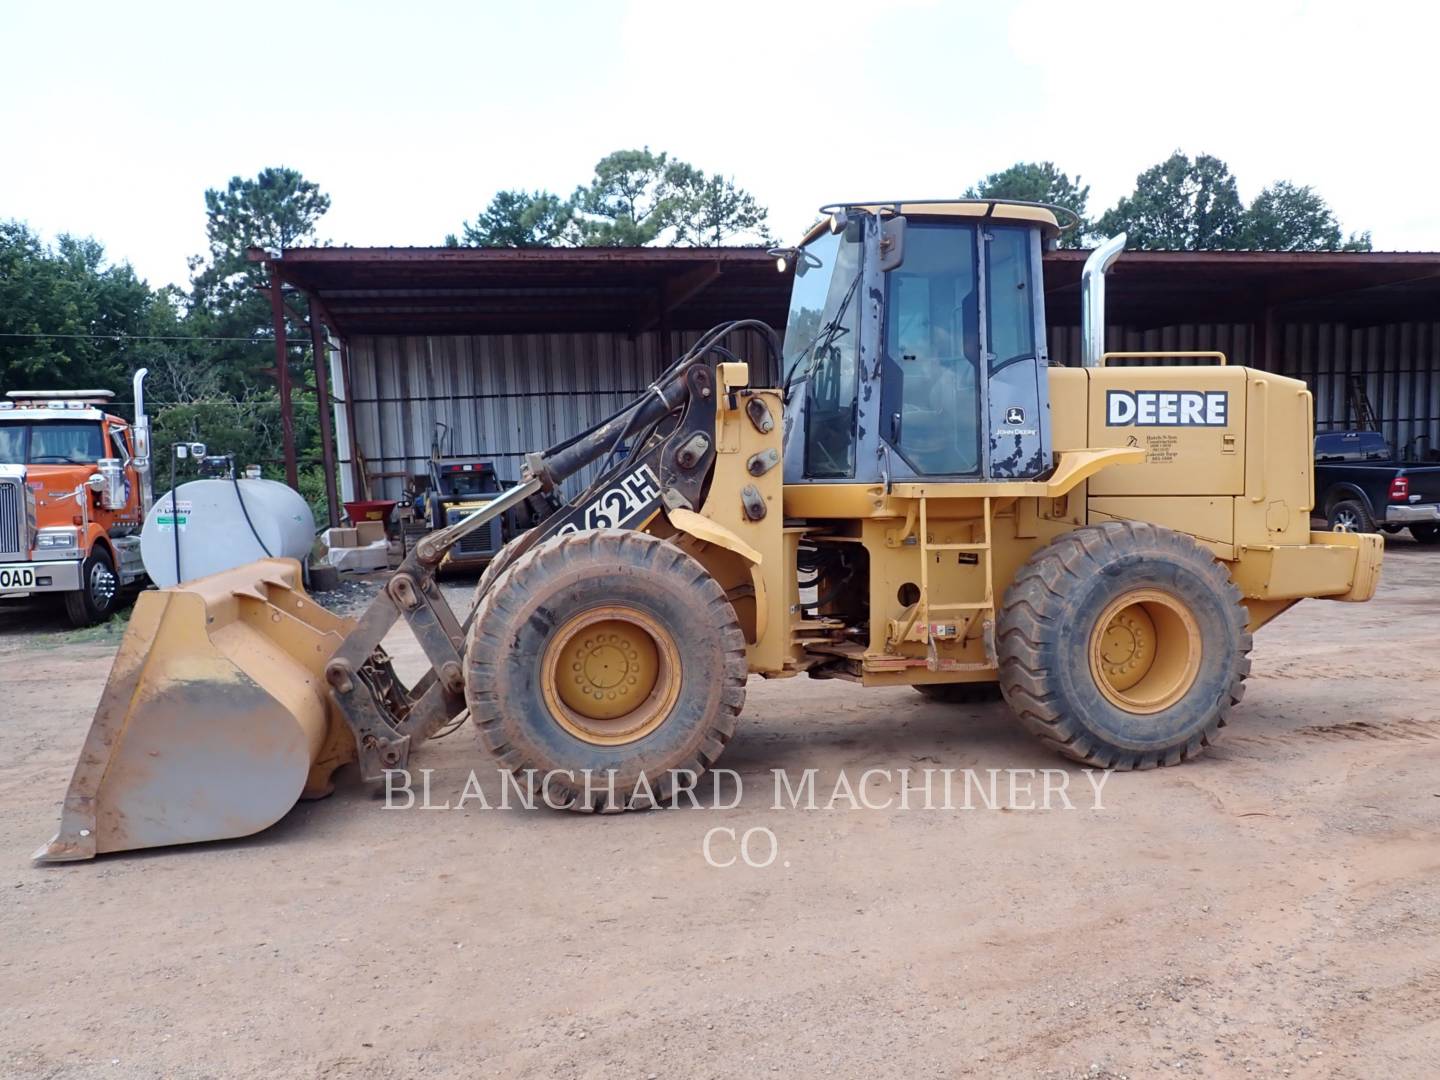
x=115, y=117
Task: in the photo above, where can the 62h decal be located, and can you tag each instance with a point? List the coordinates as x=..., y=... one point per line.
x=618, y=504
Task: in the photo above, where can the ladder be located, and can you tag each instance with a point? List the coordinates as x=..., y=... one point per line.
x=1365, y=418
x=982, y=610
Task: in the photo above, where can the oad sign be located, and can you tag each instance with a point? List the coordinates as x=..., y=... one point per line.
x=1167, y=408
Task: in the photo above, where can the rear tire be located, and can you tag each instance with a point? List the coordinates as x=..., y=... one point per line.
x=605, y=650
x=962, y=693
x=1425, y=534
x=99, y=592
x=1123, y=646
x=1350, y=515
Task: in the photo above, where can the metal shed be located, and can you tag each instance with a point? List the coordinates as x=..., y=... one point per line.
x=514, y=349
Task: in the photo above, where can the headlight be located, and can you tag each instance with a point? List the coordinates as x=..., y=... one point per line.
x=56, y=538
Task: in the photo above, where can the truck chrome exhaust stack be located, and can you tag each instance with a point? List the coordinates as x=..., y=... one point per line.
x=1092, y=300
x=142, y=442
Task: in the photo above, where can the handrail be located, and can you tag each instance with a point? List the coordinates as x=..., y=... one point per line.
x=1309, y=405
x=1262, y=396
x=1202, y=354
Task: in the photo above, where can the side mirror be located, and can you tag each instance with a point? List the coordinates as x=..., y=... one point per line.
x=892, y=243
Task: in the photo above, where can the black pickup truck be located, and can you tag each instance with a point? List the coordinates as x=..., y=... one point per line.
x=1361, y=487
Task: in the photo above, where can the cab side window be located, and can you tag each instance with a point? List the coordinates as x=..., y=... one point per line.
x=1011, y=297
x=834, y=382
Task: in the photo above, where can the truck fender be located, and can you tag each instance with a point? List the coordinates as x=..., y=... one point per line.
x=1344, y=489
x=100, y=539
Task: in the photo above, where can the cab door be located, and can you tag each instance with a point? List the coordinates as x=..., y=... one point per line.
x=963, y=393
x=929, y=395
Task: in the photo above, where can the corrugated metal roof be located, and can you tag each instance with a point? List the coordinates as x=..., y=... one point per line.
x=634, y=290
x=518, y=290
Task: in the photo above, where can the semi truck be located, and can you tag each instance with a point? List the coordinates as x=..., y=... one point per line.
x=74, y=490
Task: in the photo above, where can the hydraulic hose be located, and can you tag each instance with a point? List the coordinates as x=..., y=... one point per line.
x=667, y=393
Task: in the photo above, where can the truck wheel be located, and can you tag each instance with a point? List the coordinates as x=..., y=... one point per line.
x=961, y=693
x=1425, y=534
x=1123, y=645
x=1350, y=515
x=99, y=591
x=610, y=651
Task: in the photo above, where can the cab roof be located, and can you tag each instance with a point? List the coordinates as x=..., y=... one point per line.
x=1023, y=213
x=52, y=410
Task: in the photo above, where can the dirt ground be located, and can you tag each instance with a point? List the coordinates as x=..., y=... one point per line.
x=1269, y=910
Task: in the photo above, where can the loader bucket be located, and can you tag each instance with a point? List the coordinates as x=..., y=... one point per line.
x=215, y=719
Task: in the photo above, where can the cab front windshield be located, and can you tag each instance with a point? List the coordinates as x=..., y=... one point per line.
x=825, y=270
x=822, y=348
x=51, y=442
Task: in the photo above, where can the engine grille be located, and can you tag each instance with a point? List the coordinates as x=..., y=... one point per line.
x=485, y=540
x=12, y=517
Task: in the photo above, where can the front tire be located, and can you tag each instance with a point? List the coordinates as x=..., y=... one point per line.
x=99, y=591
x=1123, y=646
x=605, y=651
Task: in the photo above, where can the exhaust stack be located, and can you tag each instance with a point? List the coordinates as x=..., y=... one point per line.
x=1092, y=300
x=141, y=431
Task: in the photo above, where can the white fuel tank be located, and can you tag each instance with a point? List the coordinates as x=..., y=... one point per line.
x=210, y=519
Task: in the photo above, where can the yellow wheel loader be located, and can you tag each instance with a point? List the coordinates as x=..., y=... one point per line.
x=925, y=501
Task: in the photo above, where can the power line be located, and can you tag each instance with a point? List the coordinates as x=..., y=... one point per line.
x=120, y=339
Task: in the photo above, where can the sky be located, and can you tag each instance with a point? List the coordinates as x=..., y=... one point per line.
x=115, y=117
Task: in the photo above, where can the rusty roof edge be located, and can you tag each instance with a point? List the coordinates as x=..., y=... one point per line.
x=351, y=255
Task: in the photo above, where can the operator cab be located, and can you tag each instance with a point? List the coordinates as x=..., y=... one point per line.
x=915, y=344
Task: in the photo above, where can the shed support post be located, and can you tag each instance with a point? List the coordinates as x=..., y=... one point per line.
x=322, y=404
x=357, y=473
x=282, y=377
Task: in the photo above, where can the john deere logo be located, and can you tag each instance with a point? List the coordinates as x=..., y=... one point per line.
x=1014, y=415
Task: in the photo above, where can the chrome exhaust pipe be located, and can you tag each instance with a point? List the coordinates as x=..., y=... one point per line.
x=1092, y=300
x=141, y=430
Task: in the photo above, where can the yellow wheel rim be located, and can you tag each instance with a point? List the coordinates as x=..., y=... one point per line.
x=1145, y=651
x=611, y=675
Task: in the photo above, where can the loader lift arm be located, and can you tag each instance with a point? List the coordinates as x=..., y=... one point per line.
x=673, y=427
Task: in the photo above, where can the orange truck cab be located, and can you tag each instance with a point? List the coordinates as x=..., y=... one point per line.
x=74, y=491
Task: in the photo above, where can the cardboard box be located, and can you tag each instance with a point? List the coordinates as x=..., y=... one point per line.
x=368, y=532
x=360, y=559
x=340, y=538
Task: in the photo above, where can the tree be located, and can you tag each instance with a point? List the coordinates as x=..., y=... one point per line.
x=520, y=219
x=630, y=201
x=636, y=197
x=1040, y=182
x=225, y=402
x=709, y=210
x=277, y=209
x=1180, y=205
x=76, y=316
x=1287, y=217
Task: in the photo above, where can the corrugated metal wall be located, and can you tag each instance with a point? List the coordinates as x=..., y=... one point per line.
x=1398, y=363
x=500, y=396
x=505, y=396
x=1400, y=367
